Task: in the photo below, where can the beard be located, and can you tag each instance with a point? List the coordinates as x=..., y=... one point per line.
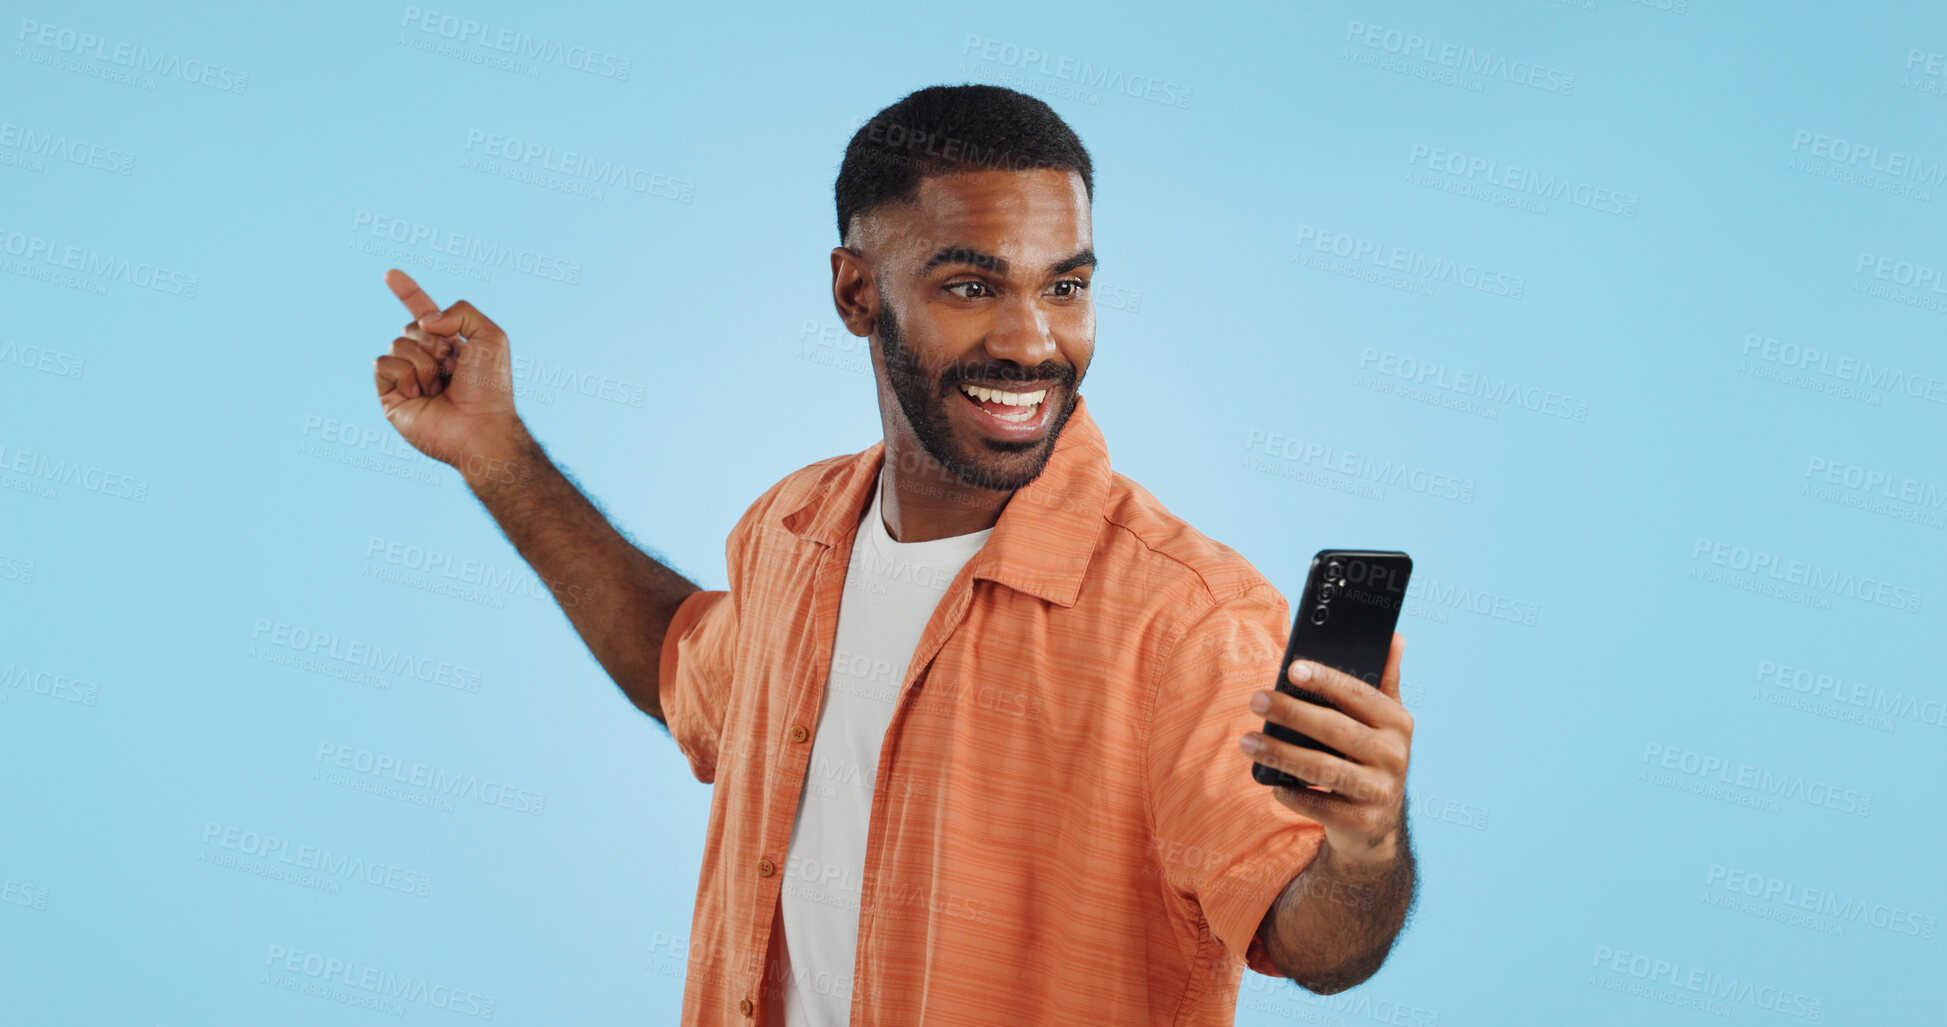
x=983, y=463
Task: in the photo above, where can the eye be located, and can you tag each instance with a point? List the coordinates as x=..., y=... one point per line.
x=1075, y=287
x=972, y=283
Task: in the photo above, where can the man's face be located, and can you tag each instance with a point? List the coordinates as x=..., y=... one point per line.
x=985, y=323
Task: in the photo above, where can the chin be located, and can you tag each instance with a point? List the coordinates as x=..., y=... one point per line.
x=998, y=465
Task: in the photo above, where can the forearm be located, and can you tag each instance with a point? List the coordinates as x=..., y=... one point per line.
x=1335, y=922
x=617, y=597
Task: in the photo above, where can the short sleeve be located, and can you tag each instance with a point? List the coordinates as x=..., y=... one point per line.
x=700, y=648
x=693, y=682
x=1222, y=838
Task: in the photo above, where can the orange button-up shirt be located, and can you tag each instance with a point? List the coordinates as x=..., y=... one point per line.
x=1063, y=828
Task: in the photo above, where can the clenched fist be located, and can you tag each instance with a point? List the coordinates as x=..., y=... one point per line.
x=448, y=384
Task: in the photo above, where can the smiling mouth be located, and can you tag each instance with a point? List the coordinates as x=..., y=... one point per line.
x=1011, y=407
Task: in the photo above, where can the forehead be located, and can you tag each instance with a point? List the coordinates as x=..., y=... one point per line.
x=1018, y=214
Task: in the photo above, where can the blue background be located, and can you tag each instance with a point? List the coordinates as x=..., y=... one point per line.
x=1578, y=654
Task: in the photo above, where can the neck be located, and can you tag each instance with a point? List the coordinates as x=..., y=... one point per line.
x=921, y=500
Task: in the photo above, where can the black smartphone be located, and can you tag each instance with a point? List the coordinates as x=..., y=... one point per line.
x=1345, y=620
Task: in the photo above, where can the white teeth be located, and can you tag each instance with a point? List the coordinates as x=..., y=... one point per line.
x=1012, y=399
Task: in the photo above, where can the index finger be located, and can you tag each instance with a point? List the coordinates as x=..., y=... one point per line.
x=1389, y=680
x=410, y=294
x=463, y=320
x=1351, y=696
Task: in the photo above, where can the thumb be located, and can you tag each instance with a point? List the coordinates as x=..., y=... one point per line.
x=463, y=320
x=466, y=322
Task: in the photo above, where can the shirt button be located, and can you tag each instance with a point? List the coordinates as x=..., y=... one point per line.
x=744, y=1007
x=766, y=868
x=798, y=733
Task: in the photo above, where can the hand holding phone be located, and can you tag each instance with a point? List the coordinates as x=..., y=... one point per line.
x=1344, y=620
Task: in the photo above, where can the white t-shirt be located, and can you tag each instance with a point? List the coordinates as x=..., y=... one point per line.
x=891, y=590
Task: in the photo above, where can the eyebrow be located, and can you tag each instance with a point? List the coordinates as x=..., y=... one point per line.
x=988, y=262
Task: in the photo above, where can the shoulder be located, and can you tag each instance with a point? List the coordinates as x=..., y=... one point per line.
x=1212, y=620
x=762, y=537
x=797, y=488
x=791, y=492
x=1146, y=539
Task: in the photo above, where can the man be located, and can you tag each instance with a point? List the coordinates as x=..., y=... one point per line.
x=978, y=711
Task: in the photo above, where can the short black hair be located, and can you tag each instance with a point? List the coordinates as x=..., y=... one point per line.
x=941, y=130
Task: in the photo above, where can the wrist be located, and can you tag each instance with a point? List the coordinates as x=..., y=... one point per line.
x=1356, y=861
x=498, y=459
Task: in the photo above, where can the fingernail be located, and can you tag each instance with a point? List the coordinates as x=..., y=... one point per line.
x=1248, y=743
x=1301, y=671
x=428, y=319
x=1260, y=702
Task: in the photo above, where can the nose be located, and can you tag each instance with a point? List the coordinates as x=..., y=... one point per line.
x=1020, y=333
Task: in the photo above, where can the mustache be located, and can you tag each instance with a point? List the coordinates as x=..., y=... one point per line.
x=1048, y=371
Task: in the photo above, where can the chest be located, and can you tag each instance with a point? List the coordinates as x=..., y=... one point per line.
x=916, y=684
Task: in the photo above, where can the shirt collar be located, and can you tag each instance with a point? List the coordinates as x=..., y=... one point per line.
x=1045, y=535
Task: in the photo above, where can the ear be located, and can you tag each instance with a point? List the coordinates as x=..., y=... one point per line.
x=853, y=292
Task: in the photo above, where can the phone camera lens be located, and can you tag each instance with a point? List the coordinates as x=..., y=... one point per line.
x=1334, y=570
x=1327, y=591
x=1319, y=613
